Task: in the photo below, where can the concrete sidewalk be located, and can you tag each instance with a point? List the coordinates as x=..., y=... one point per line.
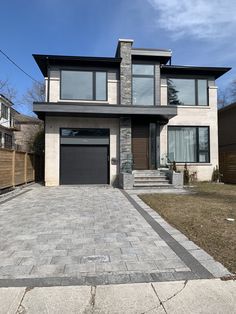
x=195, y=296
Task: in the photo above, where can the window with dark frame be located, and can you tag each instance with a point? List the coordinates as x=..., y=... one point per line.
x=8, y=141
x=143, y=78
x=187, y=92
x=84, y=85
x=0, y=139
x=188, y=144
x=4, y=111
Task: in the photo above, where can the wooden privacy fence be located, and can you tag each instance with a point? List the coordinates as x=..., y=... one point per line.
x=228, y=166
x=17, y=167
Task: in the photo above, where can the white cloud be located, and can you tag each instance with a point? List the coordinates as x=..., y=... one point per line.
x=202, y=19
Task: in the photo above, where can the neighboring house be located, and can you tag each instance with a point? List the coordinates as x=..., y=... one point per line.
x=7, y=123
x=28, y=128
x=17, y=130
x=106, y=116
x=227, y=142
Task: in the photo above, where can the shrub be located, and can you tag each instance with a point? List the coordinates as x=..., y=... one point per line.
x=216, y=175
x=186, y=175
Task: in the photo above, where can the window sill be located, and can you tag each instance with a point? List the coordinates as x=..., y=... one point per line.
x=192, y=107
x=84, y=101
x=193, y=164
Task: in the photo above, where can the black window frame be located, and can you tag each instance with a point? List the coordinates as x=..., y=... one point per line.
x=4, y=112
x=1, y=144
x=197, y=143
x=144, y=76
x=93, y=83
x=8, y=144
x=196, y=97
x=91, y=132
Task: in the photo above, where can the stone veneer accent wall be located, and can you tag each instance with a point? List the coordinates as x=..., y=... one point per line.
x=124, y=51
x=126, y=159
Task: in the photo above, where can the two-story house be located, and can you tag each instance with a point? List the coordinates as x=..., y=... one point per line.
x=134, y=111
x=6, y=123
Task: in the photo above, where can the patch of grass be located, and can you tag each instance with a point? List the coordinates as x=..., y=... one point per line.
x=201, y=216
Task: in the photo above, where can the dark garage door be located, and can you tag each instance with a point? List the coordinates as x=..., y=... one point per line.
x=86, y=164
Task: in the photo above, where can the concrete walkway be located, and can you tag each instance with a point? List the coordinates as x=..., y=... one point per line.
x=196, y=296
x=92, y=235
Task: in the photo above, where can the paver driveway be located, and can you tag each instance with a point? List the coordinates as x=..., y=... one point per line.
x=86, y=234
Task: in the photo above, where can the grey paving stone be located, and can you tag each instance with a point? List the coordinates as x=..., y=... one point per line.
x=163, y=276
x=118, y=279
x=144, y=266
x=39, y=260
x=201, y=255
x=140, y=277
x=48, y=270
x=15, y=271
x=75, y=269
x=215, y=268
x=63, y=260
x=189, y=245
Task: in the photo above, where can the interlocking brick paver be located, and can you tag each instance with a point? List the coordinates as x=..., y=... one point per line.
x=91, y=234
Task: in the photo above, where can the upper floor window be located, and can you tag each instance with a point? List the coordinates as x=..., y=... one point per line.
x=4, y=111
x=143, y=84
x=187, y=92
x=83, y=85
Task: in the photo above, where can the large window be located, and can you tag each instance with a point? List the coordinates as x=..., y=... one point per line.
x=143, y=84
x=83, y=85
x=4, y=111
x=187, y=92
x=188, y=144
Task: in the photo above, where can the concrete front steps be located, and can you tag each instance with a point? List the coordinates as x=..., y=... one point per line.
x=150, y=178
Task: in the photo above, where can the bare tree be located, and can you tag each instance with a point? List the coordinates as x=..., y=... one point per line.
x=227, y=95
x=7, y=90
x=223, y=98
x=232, y=91
x=35, y=93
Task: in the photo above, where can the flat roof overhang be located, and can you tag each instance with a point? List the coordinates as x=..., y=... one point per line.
x=143, y=54
x=102, y=110
x=43, y=61
x=216, y=72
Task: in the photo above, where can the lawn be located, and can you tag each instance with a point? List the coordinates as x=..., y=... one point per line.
x=201, y=216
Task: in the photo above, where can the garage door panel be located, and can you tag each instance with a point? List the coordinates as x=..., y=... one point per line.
x=84, y=164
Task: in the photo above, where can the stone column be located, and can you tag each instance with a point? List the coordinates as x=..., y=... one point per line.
x=124, y=52
x=126, y=160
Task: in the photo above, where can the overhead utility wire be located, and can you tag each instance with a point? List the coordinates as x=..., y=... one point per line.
x=6, y=56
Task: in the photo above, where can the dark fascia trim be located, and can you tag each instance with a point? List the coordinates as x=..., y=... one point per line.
x=103, y=109
x=43, y=61
x=160, y=55
x=228, y=107
x=194, y=70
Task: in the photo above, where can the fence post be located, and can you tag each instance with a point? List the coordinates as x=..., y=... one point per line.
x=33, y=167
x=13, y=167
x=25, y=169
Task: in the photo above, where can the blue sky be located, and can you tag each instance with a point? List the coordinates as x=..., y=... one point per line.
x=202, y=32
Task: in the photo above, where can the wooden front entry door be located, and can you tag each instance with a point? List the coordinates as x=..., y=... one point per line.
x=140, y=146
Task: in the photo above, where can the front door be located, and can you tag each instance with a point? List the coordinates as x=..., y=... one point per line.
x=140, y=145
